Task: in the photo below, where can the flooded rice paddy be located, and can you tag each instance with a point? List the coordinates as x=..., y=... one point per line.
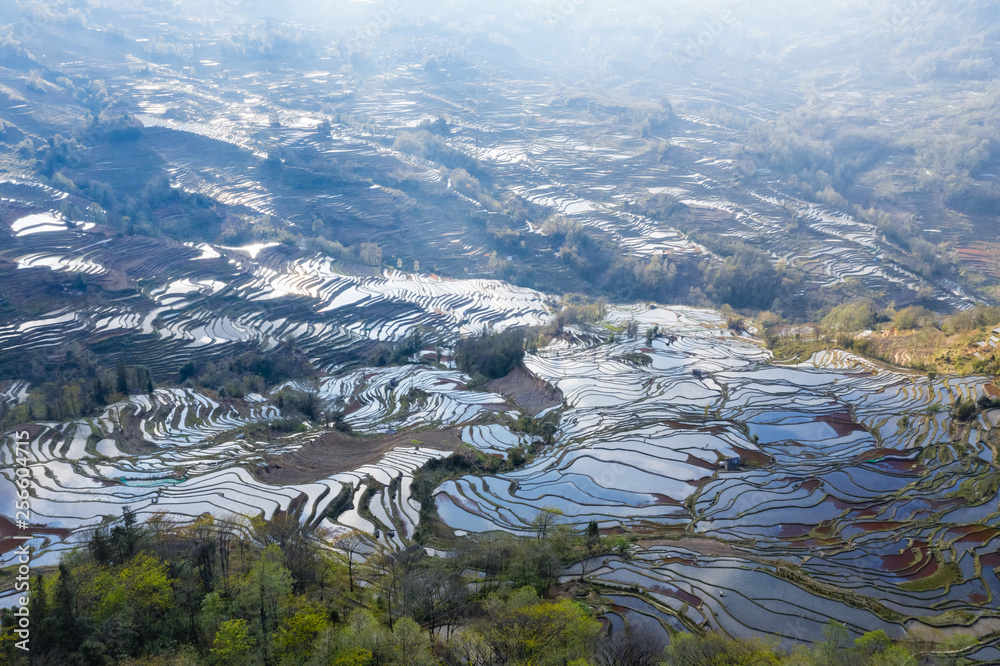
x=858, y=497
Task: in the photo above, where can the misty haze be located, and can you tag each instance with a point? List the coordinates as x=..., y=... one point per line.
x=388, y=332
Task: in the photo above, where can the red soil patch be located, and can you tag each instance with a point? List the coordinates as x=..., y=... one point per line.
x=926, y=570
x=903, y=466
x=794, y=530
x=698, y=462
x=838, y=503
x=983, y=256
x=527, y=391
x=709, y=547
x=712, y=429
x=913, y=563
x=842, y=423
x=826, y=527
x=975, y=533
x=894, y=563
x=31, y=428
x=880, y=526
x=677, y=594
x=811, y=485
x=8, y=530
x=752, y=456
x=664, y=499
x=612, y=531
x=335, y=452
x=990, y=560
x=893, y=455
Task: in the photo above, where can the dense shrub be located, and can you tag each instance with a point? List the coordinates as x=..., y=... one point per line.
x=492, y=355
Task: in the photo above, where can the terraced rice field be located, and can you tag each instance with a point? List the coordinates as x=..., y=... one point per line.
x=859, y=498
x=183, y=453
x=197, y=301
x=529, y=137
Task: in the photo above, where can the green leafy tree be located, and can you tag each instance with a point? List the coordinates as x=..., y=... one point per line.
x=593, y=535
x=295, y=638
x=362, y=635
x=521, y=629
x=64, y=627
x=714, y=649
x=233, y=644
x=354, y=657
x=258, y=597
x=851, y=317
x=490, y=356
x=410, y=645
x=129, y=603
x=915, y=316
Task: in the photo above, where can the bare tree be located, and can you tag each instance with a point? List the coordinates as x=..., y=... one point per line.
x=350, y=543
x=294, y=538
x=544, y=520
x=634, y=645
